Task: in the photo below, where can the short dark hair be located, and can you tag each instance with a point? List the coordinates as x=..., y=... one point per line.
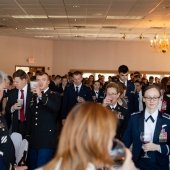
x=21, y=74
x=123, y=69
x=137, y=81
x=151, y=87
x=77, y=73
x=40, y=73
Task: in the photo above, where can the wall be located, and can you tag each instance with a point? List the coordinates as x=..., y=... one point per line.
x=108, y=55
x=16, y=50
x=61, y=56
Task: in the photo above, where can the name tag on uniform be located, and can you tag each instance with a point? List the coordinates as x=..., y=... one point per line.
x=163, y=136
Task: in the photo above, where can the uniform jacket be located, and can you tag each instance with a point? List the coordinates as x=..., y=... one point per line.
x=132, y=136
x=70, y=98
x=43, y=127
x=100, y=97
x=122, y=115
x=7, y=151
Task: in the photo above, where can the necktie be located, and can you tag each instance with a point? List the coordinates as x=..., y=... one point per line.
x=22, y=116
x=150, y=117
x=77, y=90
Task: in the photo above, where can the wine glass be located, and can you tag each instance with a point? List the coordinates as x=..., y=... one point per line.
x=94, y=98
x=118, y=153
x=145, y=137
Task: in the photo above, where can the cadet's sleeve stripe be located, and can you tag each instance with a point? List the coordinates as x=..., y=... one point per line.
x=166, y=117
x=135, y=113
x=167, y=149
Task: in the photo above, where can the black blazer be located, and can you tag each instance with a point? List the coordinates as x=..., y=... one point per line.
x=70, y=98
x=12, y=99
x=43, y=127
x=100, y=97
x=132, y=136
x=123, y=117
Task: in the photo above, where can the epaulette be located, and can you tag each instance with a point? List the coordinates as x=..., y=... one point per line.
x=52, y=92
x=165, y=115
x=135, y=113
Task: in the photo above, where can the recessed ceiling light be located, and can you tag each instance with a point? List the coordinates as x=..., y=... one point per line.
x=37, y=28
x=29, y=16
x=44, y=36
x=76, y=6
x=124, y=17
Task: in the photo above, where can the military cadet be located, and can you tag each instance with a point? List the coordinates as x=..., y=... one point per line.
x=111, y=101
x=149, y=133
x=45, y=105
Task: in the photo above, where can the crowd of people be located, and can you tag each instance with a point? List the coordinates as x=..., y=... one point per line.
x=71, y=121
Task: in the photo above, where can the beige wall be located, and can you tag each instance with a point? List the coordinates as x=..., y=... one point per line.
x=16, y=50
x=61, y=56
x=108, y=55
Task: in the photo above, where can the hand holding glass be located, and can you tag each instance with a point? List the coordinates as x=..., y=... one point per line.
x=146, y=137
x=20, y=102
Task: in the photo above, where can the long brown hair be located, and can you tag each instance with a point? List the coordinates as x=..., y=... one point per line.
x=85, y=138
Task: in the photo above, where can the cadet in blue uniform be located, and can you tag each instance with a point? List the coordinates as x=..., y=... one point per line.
x=111, y=101
x=150, y=121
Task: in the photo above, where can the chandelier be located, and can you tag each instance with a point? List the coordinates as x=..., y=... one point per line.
x=161, y=44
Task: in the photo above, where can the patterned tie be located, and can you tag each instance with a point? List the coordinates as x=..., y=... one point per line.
x=22, y=116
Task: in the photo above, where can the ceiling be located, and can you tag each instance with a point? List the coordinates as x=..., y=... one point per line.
x=85, y=19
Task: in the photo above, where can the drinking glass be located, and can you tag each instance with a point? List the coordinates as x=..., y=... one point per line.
x=94, y=98
x=145, y=137
x=33, y=84
x=20, y=102
x=118, y=153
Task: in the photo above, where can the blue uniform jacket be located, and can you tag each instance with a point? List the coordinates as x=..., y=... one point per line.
x=132, y=136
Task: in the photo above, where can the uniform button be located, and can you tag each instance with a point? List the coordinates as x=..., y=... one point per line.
x=35, y=124
x=50, y=130
x=36, y=113
x=3, y=129
x=36, y=106
x=36, y=118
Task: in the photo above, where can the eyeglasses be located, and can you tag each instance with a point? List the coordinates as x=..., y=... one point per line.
x=152, y=98
x=111, y=94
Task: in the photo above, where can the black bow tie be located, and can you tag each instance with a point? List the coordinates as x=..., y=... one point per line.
x=150, y=117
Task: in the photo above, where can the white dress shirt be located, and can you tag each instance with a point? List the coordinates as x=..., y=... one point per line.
x=149, y=126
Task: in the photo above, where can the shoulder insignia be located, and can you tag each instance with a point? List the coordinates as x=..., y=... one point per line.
x=135, y=113
x=3, y=139
x=52, y=92
x=165, y=115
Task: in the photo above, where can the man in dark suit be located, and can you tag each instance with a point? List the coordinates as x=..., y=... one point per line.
x=18, y=104
x=139, y=105
x=123, y=77
x=75, y=93
x=45, y=105
x=156, y=129
x=97, y=93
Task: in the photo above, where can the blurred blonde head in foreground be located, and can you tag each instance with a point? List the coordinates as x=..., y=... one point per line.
x=86, y=138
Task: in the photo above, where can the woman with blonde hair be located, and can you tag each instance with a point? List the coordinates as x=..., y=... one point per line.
x=86, y=140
